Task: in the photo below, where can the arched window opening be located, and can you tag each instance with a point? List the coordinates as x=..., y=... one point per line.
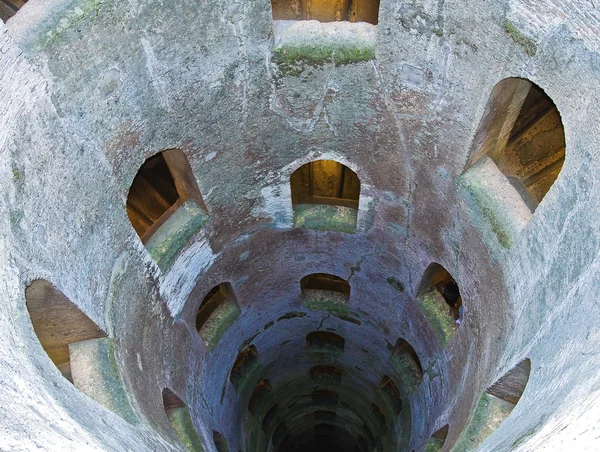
x=270, y=418
x=378, y=419
x=407, y=365
x=8, y=8
x=324, y=281
x=518, y=153
x=369, y=437
x=511, y=386
x=495, y=405
x=244, y=368
x=325, y=292
x=324, y=416
x=325, y=196
x=217, y=312
x=324, y=397
x=58, y=323
x=260, y=396
x=326, y=374
x=220, y=442
x=181, y=421
x=440, y=300
x=325, y=342
x=78, y=347
x=391, y=394
x=279, y=434
x=327, y=10
x=437, y=440
x=164, y=205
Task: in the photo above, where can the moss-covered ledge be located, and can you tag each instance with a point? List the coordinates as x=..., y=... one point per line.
x=439, y=315
x=489, y=414
x=325, y=217
x=96, y=373
x=317, y=43
x=325, y=300
x=496, y=207
x=408, y=371
x=218, y=323
x=174, y=233
x=182, y=423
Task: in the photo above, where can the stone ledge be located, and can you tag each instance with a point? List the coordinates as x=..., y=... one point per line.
x=325, y=217
x=314, y=42
x=496, y=205
x=96, y=373
x=174, y=234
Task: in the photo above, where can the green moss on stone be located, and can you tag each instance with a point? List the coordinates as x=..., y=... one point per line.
x=489, y=414
x=219, y=322
x=407, y=370
x=294, y=56
x=434, y=445
x=71, y=18
x=247, y=376
x=182, y=423
x=439, y=315
x=529, y=45
x=492, y=211
x=325, y=217
x=96, y=373
x=174, y=233
x=325, y=300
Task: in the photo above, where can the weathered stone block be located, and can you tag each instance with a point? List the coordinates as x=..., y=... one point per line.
x=325, y=217
x=96, y=373
x=174, y=233
x=439, y=315
x=182, y=423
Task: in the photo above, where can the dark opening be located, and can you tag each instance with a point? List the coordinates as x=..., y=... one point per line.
x=171, y=401
x=216, y=314
x=438, y=277
x=162, y=184
x=326, y=374
x=325, y=182
x=378, y=418
x=220, y=442
x=404, y=348
x=324, y=281
x=245, y=364
x=407, y=364
x=57, y=323
x=324, y=397
x=510, y=387
x=496, y=404
x=522, y=133
x=324, y=416
x=437, y=440
x=325, y=340
x=327, y=10
x=391, y=392
x=270, y=418
x=279, y=434
x=8, y=8
x=259, y=397
x=151, y=195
